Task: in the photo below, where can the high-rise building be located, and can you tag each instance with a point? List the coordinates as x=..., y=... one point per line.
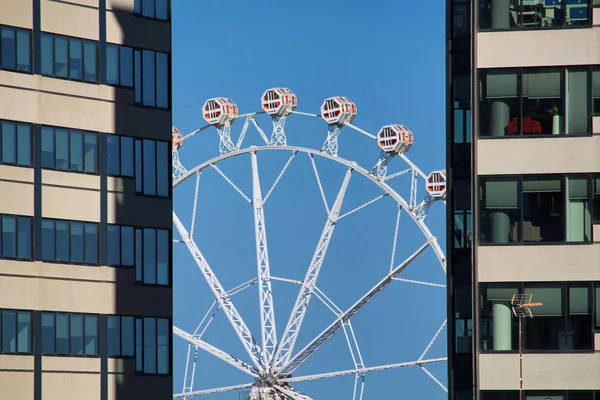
x=523, y=139
x=85, y=200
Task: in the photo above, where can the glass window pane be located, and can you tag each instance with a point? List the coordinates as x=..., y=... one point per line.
x=48, y=336
x=76, y=242
x=62, y=148
x=24, y=332
x=24, y=237
x=126, y=66
x=150, y=345
x=60, y=56
x=48, y=240
x=139, y=350
x=62, y=334
x=91, y=243
x=580, y=336
x=162, y=264
x=126, y=156
x=24, y=144
x=138, y=75
x=546, y=330
x=76, y=151
x=138, y=166
x=149, y=167
x=75, y=59
x=62, y=241
x=23, y=50
x=90, y=152
x=112, y=154
x=596, y=89
x=499, y=106
x=161, y=9
x=162, y=80
x=500, y=212
x=114, y=335
x=9, y=142
x=148, y=78
x=137, y=6
x=9, y=236
x=127, y=246
x=8, y=47
x=163, y=170
x=91, y=335
x=9, y=331
x=149, y=255
x=89, y=61
x=163, y=345
x=579, y=215
x=543, y=106
x=112, y=64
x=148, y=8
x=578, y=98
x=47, y=42
x=77, y=334
x=597, y=294
x=138, y=255
x=113, y=245
x=543, y=210
x=127, y=336
x=47, y=147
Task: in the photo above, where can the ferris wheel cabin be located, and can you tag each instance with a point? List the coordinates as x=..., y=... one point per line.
x=219, y=111
x=395, y=139
x=279, y=102
x=177, y=139
x=436, y=184
x=338, y=110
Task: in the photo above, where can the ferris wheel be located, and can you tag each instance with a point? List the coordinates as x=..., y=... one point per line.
x=271, y=359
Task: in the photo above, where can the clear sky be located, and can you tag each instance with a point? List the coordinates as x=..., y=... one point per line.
x=388, y=57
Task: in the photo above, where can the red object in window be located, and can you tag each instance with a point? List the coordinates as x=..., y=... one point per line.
x=529, y=126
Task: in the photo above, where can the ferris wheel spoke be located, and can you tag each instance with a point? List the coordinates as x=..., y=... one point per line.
x=265, y=292
x=292, y=393
x=222, y=297
x=242, y=134
x=212, y=391
x=280, y=175
x=436, y=380
x=365, y=370
x=420, y=282
x=237, y=189
x=229, y=359
x=357, y=129
x=259, y=129
x=368, y=203
x=294, y=324
x=193, y=224
x=314, y=165
x=432, y=341
x=292, y=364
x=397, y=174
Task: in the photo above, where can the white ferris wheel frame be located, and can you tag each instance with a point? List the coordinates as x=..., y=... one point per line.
x=273, y=360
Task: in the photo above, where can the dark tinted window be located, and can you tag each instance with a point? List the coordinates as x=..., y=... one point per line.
x=8, y=45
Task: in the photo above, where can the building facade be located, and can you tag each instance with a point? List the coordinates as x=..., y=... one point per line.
x=523, y=140
x=85, y=200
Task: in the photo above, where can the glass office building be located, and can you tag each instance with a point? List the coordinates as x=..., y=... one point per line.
x=85, y=200
x=523, y=154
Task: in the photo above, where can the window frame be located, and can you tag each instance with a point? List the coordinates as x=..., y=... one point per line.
x=120, y=318
x=120, y=230
x=519, y=178
x=520, y=71
x=139, y=252
x=17, y=217
x=68, y=39
x=29, y=345
x=138, y=66
x=141, y=343
x=69, y=131
x=120, y=156
x=139, y=6
x=17, y=29
x=141, y=164
x=69, y=334
x=119, y=49
x=69, y=234
x=16, y=151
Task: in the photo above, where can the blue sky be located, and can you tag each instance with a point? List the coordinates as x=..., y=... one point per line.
x=388, y=57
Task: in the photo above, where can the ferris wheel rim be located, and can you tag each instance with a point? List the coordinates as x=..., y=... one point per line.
x=432, y=239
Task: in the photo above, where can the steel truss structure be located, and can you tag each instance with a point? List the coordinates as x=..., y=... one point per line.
x=274, y=361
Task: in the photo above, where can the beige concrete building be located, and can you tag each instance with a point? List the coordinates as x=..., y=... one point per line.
x=85, y=200
x=523, y=112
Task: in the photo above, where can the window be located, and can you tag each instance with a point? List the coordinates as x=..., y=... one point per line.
x=15, y=143
x=68, y=57
x=69, y=334
x=120, y=245
x=563, y=323
x=596, y=89
x=524, y=14
x=15, y=331
x=119, y=65
x=535, y=102
x=152, y=167
x=551, y=208
x=158, y=9
x=119, y=155
x=463, y=226
x=152, y=345
x=69, y=150
x=152, y=256
x=16, y=237
x=120, y=336
x=70, y=241
x=15, y=49
x=151, y=78
x=463, y=319
x=597, y=305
